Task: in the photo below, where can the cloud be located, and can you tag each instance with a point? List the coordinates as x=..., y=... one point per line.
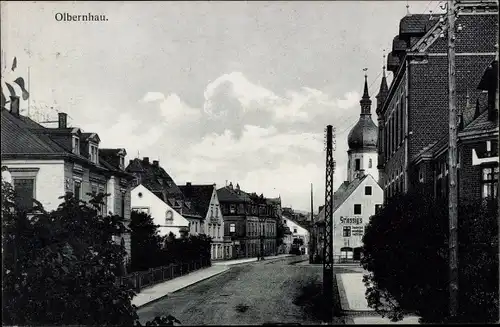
x=153, y=96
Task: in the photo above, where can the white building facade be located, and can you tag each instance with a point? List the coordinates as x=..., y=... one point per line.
x=168, y=220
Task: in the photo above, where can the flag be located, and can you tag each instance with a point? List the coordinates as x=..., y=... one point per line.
x=20, y=81
x=14, y=63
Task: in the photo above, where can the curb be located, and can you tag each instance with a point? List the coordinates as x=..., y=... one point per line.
x=343, y=296
x=198, y=281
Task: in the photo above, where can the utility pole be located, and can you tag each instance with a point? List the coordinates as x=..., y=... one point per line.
x=452, y=165
x=312, y=246
x=328, y=235
x=498, y=197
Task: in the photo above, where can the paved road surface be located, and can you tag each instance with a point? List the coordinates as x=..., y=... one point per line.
x=251, y=294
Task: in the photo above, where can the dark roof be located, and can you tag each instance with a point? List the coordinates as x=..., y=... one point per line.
x=229, y=194
x=154, y=178
x=19, y=138
x=489, y=80
x=199, y=196
x=415, y=24
x=398, y=44
x=481, y=123
x=363, y=135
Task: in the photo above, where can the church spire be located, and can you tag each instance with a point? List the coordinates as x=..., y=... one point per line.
x=365, y=102
x=384, y=89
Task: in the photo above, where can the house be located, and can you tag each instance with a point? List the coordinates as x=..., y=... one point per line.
x=477, y=149
x=249, y=220
x=205, y=202
x=297, y=232
x=358, y=198
x=153, y=177
x=413, y=113
x=46, y=163
x=168, y=220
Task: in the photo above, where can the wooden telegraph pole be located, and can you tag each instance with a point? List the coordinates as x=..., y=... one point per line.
x=312, y=235
x=452, y=165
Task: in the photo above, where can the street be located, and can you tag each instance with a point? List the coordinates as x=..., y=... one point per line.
x=255, y=294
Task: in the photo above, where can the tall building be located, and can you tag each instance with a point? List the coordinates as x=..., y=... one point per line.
x=358, y=198
x=362, y=141
x=414, y=113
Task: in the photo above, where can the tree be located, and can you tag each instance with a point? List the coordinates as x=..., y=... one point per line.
x=406, y=254
x=280, y=231
x=60, y=267
x=146, y=244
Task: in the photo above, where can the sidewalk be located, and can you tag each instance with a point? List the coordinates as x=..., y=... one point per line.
x=352, y=299
x=156, y=292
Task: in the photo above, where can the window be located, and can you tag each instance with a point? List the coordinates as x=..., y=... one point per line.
x=122, y=162
x=141, y=209
x=105, y=201
x=357, y=209
x=77, y=190
x=358, y=164
x=232, y=228
x=421, y=175
x=218, y=231
x=122, y=204
x=209, y=230
x=370, y=163
x=295, y=230
x=76, y=145
x=346, y=231
x=93, y=151
x=24, y=189
x=377, y=208
x=489, y=182
x=211, y=212
x=216, y=212
x=232, y=208
x=368, y=190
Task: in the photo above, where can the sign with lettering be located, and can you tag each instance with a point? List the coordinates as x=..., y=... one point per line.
x=357, y=230
x=351, y=220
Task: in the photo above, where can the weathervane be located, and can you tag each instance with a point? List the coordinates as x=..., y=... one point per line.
x=365, y=70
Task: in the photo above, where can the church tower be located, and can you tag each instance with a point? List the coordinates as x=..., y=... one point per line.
x=362, y=141
x=381, y=97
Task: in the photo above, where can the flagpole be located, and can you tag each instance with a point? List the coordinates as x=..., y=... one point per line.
x=29, y=88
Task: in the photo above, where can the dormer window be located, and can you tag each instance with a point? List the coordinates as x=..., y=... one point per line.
x=76, y=145
x=94, y=153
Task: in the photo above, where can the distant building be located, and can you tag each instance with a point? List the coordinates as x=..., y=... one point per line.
x=358, y=198
x=205, y=202
x=413, y=113
x=298, y=232
x=153, y=177
x=248, y=218
x=46, y=163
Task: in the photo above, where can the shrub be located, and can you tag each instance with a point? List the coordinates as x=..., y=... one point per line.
x=406, y=255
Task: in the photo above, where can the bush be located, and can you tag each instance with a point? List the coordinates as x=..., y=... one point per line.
x=60, y=267
x=146, y=245
x=406, y=254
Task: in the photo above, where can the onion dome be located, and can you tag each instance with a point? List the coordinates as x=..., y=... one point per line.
x=365, y=133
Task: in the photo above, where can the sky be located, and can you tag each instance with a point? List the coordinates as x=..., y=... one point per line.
x=218, y=92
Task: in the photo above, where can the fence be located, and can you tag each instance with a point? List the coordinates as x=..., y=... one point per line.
x=142, y=279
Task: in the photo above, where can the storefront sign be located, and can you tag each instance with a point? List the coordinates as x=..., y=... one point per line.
x=351, y=220
x=357, y=230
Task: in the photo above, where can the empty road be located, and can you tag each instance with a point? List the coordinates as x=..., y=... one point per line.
x=250, y=294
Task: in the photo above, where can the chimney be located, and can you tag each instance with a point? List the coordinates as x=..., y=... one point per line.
x=230, y=185
x=156, y=163
x=188, y=183
x=145, y=160
x=130, y=161
x=14, y=105
x=63, y=120
x=237, y=187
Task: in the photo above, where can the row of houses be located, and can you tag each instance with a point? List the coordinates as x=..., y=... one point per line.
x=44, y=162
x=408, y=149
